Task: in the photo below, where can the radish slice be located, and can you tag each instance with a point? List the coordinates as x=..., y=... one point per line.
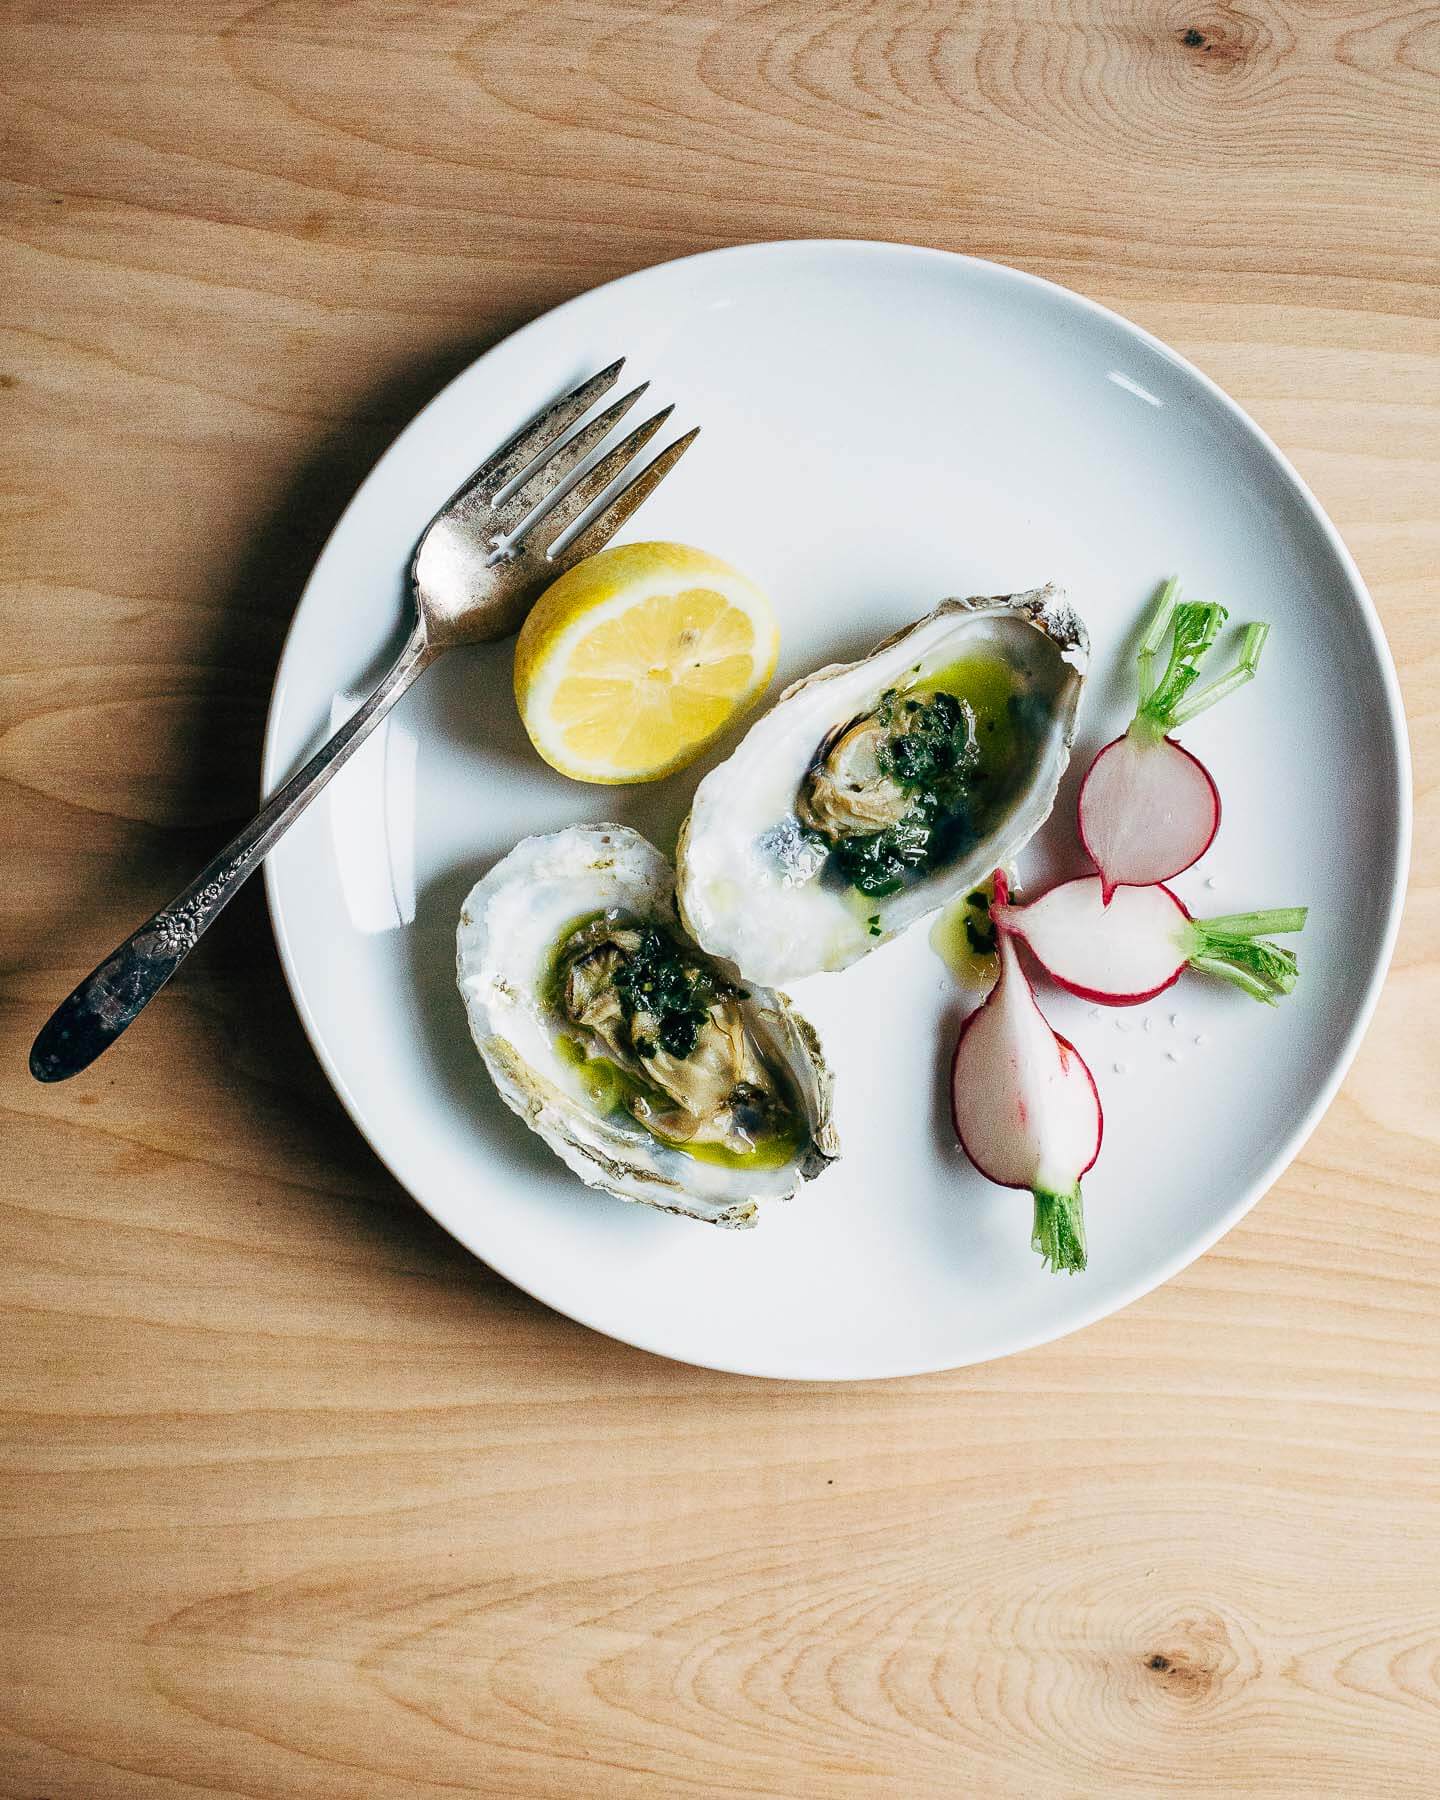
x=1148, y=808
x=1025, y=1106
x=1144, y=939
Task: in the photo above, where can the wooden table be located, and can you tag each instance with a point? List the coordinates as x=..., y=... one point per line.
x=298, y=1499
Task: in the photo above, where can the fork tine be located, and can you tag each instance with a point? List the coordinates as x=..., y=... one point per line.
x=557, y=518
x=552, y=472
x=607, y=522
x=537, y=434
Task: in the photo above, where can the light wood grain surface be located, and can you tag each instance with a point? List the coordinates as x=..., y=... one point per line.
x=298, y=1500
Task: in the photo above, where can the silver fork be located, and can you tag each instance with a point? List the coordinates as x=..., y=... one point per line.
x=477, y=570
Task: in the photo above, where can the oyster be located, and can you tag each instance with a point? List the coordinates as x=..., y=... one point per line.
x=644, y=1066
x=874, y=791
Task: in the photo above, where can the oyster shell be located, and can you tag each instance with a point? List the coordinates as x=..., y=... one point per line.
x=874, y=791
x=639, y=1061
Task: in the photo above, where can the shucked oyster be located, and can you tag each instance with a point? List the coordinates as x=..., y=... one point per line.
x=873, y=791
x=644, y=1066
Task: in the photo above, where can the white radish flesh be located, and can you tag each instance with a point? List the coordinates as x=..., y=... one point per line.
x=1026, y=1109
x=1119, y=954
x=1143, y=940
x=1148, y=810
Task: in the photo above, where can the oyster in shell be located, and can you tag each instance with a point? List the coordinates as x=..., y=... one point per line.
x=641, y=1062
x=874, y=791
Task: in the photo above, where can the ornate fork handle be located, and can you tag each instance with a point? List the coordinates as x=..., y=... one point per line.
x=465, y=592
x=117, y=991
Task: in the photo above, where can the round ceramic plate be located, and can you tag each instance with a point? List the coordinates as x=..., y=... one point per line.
x=881, y=426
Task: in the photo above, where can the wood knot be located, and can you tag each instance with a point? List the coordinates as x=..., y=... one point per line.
x=1215, y=42
x=1195, y=1660
x=1182, y=1677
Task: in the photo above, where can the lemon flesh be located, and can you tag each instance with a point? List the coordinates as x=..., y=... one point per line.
x=637, y=658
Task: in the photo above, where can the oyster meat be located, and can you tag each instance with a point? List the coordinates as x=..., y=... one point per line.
x=874, y=791
x=647, y=1068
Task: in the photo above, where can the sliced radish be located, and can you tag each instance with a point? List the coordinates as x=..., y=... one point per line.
x=1141, y=942
x=1025, y=1106
x=1148, y=808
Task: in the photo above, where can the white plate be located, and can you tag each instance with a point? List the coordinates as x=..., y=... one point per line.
x=882, y=426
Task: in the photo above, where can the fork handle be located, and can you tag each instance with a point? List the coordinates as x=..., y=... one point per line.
x=111, y=996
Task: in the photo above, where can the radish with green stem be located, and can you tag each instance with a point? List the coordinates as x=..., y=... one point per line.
x=1148, y=808
x=1141, y=942
x=1025, y=1106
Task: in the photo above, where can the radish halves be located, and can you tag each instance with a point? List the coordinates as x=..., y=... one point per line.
x=1025, y=1106
x=1144, y=939
x=1148, y=808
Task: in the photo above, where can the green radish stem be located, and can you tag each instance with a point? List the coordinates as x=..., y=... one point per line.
x=1193, y=627
x=1231, y=947
x=1154, y=631
x=1059, y=1234
x=1277, y=918
x=1250, y=647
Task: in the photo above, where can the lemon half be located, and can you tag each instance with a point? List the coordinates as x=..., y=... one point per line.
x=638, y=657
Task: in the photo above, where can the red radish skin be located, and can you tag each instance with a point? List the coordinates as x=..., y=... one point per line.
x=1025, y=1106
x=1147, y=808
x=1146, y=814
x=1128, y=949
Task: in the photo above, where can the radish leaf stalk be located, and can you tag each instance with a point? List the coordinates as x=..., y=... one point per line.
x=1058, y=1234
x=1245, y=669
x=1232, y=947
x=1154, y=636
x=1194, y=626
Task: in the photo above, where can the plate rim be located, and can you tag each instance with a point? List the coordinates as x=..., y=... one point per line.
x=273, y=772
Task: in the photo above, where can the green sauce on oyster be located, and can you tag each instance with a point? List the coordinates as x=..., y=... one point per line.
x=913, y=783
x=656, y=1031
